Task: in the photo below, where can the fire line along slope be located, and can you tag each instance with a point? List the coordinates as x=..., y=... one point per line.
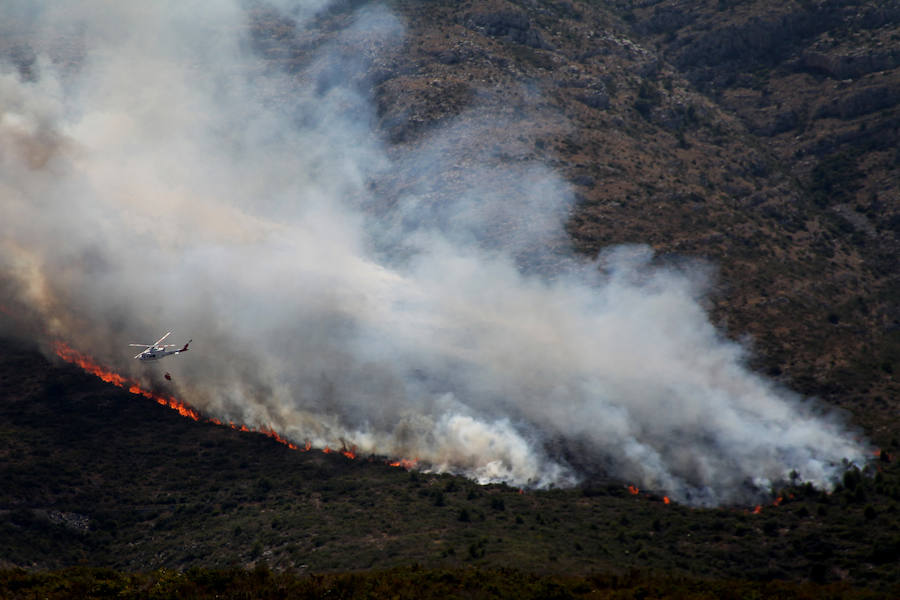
x=166, y=491
x=422, y=297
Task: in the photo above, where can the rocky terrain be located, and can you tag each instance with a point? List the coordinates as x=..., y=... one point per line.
x=760, y=137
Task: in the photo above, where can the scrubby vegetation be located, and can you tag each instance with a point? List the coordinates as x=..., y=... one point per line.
x=98, y=476
x=407, y=582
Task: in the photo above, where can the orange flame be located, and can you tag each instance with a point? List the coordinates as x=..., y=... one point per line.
x=274, y=435
x=633, y=490
x=73, y=356
x=757, y=509
x=666, y=500
x=70, y=355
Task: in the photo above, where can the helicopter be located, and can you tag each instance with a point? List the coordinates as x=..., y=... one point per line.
x=157, y=349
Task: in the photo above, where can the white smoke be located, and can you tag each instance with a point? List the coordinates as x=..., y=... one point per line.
x=155, y=173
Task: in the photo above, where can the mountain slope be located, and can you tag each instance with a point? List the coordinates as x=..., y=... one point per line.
x=816, y=84
x=96, y=475
x=760, y=139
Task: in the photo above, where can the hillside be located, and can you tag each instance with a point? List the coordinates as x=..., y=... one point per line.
x=816, y=84
x=761, y=140
x=697, y=128
x=753, y=143
x=95, y=475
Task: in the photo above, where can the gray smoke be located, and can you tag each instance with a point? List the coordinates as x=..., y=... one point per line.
x=155, y=173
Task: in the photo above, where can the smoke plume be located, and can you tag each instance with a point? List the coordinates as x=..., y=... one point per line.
x=156, y=173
